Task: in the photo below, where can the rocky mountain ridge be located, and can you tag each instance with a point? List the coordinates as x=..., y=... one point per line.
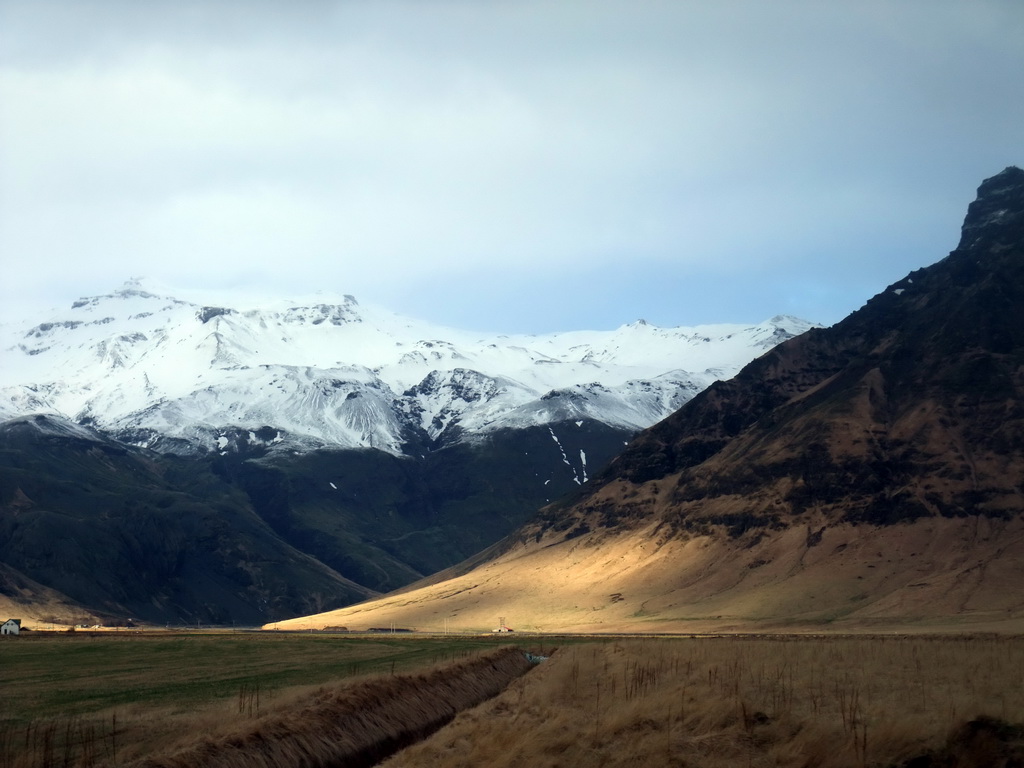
x=912, y=406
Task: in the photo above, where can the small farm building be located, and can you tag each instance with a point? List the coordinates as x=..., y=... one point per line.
x=11, y=627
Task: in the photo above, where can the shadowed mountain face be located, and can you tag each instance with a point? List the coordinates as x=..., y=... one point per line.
x=130, y=534
x=910, y=407
x=866, y=475
x=121, y=531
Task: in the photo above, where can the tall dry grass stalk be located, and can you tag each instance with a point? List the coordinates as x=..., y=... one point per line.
x=804, y=702
x=356, y=725
x=57, y=742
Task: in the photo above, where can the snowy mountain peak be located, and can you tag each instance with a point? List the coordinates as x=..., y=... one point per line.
x=151, y=367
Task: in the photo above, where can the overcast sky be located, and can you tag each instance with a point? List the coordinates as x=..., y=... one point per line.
x=504, y=166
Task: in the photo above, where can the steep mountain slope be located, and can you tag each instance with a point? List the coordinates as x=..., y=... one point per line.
x=151, y=369
x=384, y=521
x=872, y=472
x=142, y=536
x=37, y=605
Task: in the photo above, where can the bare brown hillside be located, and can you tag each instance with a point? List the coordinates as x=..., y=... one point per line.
x=869, y=474
x=938, y=574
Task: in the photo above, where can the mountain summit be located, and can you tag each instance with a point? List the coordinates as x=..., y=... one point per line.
x=154, y=370
x=871, y=473
x=994, y=219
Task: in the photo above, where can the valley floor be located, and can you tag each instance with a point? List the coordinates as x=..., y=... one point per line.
x=757, y=700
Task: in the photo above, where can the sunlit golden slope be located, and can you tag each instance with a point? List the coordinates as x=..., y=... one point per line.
x=939, y=573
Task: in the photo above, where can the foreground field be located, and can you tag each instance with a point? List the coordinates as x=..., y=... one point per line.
x=108, y=698
x=829, y=701
x=750, y=701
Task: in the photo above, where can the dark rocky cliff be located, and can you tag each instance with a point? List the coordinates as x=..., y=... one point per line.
x=912, y=406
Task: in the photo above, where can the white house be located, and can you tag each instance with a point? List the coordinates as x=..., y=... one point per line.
x=10, y=627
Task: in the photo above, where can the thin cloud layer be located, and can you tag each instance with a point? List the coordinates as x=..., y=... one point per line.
x=518, y=166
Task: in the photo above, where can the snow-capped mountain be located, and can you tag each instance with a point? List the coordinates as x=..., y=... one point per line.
x=156, y=370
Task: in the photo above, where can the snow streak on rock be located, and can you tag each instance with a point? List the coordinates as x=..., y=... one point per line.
x=565, y=459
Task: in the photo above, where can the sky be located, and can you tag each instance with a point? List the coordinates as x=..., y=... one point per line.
x=513, y=166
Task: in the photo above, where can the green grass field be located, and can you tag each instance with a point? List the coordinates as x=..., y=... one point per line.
x=89, y=698
x=66, y=675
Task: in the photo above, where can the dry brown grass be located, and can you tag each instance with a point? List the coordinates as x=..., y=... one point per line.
x=742, y=701
x=937, y=575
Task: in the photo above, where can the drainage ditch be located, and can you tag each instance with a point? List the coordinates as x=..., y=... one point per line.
x=361, y=725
